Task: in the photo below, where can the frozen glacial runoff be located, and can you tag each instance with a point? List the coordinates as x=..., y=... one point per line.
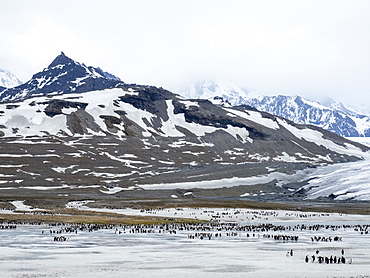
x=236, y=243
x=342, y=181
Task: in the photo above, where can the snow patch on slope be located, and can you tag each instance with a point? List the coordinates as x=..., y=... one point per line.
x=317, y=138
x=255, y=117
x=169, y=127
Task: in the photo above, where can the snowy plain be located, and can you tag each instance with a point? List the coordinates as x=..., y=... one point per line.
x=30, y=250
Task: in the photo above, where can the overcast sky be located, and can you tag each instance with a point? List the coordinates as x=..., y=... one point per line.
x=306, y=48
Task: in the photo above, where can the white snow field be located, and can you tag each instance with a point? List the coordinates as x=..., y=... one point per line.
x=157, y=251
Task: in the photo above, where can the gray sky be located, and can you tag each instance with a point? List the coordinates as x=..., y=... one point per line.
x=307, y=48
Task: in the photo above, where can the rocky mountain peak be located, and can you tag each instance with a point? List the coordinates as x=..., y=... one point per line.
x=62, y=76
x=61, y=59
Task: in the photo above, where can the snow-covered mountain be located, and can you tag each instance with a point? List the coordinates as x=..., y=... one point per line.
x=95, y=135
x=62, y=76
x=150, y=112
x=333, y=116
x=8, y=80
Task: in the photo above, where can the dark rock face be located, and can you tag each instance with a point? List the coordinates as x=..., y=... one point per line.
x=110, y=122
x=12, y=106
x=148, y=98
x=152, y=99
x=210, y=115
x=80, y=122
x=62, y=76
x=55, y=106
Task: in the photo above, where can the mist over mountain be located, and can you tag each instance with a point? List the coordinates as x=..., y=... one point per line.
x=221, y=88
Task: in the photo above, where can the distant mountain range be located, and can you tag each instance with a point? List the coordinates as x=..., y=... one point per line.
x=336, y=117
x=74, y=131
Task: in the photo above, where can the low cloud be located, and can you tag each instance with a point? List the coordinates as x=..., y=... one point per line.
x=307, y=48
